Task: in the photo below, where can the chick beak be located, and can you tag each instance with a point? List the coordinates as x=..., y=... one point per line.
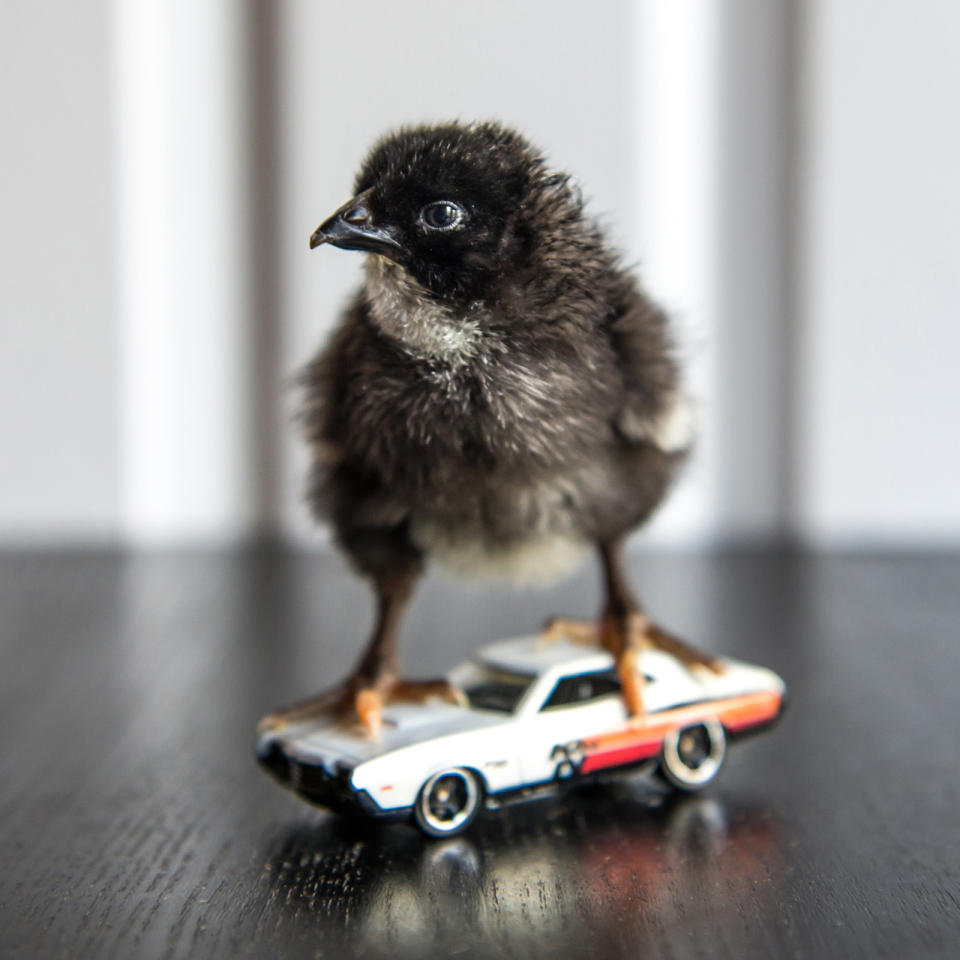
x=352, y=227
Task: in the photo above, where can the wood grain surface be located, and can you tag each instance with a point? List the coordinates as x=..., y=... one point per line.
x=135, y=823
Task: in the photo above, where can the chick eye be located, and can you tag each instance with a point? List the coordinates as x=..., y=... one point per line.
x=442, y=215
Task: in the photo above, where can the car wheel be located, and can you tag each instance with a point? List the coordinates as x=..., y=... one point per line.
x=692, y=756
x=448, y=802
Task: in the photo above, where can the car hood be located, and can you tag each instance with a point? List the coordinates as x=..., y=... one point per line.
x=329, y=743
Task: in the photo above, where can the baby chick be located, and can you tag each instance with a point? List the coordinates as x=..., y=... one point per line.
x=499, y=397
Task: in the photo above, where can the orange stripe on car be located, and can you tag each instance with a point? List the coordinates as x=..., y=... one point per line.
x=643, y=736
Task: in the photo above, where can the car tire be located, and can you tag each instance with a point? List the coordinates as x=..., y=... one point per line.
x=692, y=755
x=448, y=802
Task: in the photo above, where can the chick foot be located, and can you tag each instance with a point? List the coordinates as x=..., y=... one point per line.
x=370, y=701
x=620, y=634
x=361, y=699
x=586, y=632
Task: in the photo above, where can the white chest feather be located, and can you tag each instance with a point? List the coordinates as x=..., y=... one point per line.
x=401, y=308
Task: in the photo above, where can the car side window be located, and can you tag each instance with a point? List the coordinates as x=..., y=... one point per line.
x=583, y=688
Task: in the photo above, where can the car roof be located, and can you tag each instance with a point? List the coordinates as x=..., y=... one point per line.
x=533, y=655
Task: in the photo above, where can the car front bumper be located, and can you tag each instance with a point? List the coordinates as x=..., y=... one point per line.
x=313, y=782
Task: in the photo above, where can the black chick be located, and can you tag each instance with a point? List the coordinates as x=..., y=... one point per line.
x=500, y=396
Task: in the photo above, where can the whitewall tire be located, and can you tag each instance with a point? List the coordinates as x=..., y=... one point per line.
x=448, y=802
x=692, y=755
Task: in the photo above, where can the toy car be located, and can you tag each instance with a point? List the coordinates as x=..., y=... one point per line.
x=538, y=715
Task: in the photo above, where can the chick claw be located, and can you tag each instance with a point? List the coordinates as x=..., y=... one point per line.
x=585, y=632
x=360, y=700
x=369, y=701
x=636, y=632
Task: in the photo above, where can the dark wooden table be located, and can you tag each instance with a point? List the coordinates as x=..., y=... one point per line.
x=134, y=821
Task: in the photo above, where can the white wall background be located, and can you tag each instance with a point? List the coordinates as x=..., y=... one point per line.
x=879, y=284
x=784, y=173
x=185, y=226
x=59, y=413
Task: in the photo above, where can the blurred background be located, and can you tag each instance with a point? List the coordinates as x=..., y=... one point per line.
x=784, y=175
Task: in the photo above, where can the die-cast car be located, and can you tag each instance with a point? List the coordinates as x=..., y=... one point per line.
x=539, y=714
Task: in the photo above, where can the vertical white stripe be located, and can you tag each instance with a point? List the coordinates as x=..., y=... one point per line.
x=183, y=295
x=678, y=154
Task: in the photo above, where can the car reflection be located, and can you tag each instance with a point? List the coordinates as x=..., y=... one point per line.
x=585, y=871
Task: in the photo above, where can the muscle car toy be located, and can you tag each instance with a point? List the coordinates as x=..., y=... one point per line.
x=537, y=715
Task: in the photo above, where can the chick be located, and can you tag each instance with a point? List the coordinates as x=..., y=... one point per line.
x=500, y=397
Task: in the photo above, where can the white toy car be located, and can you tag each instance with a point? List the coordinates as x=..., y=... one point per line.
x=540, y=714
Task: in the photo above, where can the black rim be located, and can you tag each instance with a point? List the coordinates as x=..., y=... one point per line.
x=448, y=801
x=447, y=798
x=693, y=755
x=694, y=746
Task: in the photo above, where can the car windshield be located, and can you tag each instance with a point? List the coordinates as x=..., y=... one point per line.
x=489, y=689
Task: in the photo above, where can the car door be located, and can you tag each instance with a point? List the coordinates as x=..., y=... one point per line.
x=578, y=706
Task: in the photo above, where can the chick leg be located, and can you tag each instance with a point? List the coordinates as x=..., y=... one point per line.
x=376, y=678
x=625, y=630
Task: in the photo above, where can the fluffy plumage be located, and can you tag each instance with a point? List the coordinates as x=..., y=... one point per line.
x=496, y=388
